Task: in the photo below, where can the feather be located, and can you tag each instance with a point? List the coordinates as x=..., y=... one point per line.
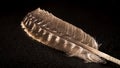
x=46, y=28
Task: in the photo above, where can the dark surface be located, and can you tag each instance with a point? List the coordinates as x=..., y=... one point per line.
x=98, y=18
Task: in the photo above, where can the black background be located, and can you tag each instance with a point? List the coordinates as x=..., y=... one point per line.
x=99, y=18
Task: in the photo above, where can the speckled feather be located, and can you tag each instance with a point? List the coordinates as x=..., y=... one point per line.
x=45, y=28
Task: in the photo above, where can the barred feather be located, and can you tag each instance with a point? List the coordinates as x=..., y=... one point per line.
x=56, y=33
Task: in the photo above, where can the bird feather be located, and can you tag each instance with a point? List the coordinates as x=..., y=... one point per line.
x=46, y=28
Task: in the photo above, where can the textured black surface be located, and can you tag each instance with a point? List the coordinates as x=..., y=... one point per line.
x=99, y=19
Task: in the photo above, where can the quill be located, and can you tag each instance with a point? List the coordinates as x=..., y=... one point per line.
x=46, y=28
